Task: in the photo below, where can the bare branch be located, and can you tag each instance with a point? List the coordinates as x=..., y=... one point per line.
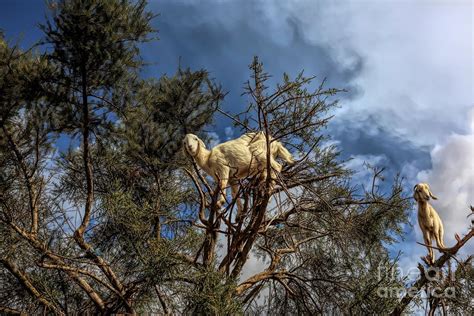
x=422, y=281
x=27, y=283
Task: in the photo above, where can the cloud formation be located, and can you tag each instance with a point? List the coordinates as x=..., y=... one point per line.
x=408, y=64
x=417, y=78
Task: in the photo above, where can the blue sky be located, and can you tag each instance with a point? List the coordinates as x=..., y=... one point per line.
x=407, y=64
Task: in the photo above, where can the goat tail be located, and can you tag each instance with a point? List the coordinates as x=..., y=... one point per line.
x=283, y=153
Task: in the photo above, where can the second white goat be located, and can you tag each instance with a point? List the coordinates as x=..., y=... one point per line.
x=430, y=223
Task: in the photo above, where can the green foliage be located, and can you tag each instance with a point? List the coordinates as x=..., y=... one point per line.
x=165, y=110
x=94, y=50
x=20, y=78
x=98, y=38
x=212, y=295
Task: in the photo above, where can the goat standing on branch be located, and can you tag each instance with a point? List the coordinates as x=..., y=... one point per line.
x=237, y=159
x=428, y=219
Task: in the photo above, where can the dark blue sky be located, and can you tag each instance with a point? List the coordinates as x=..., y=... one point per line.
x=408, y=66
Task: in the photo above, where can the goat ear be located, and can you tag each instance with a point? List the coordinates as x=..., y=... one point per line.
x=432, y=195
x=201, y=143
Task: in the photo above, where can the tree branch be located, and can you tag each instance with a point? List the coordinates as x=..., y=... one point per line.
x=27, y=178
x=27, y=283
x=42, y=248
x=422, y=281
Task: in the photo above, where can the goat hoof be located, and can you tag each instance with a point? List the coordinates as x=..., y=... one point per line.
x=457, y=237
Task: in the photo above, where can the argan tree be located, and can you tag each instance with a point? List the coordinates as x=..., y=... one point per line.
x=320, y=242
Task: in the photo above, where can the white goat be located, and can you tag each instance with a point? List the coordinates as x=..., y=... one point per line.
x=428, y=219
x=236, y=159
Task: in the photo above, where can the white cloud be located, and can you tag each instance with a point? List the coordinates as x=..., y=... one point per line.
x=213, y=140
x=229, y=132
x=416, y=81
x=359, y=164
x=417, y=77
